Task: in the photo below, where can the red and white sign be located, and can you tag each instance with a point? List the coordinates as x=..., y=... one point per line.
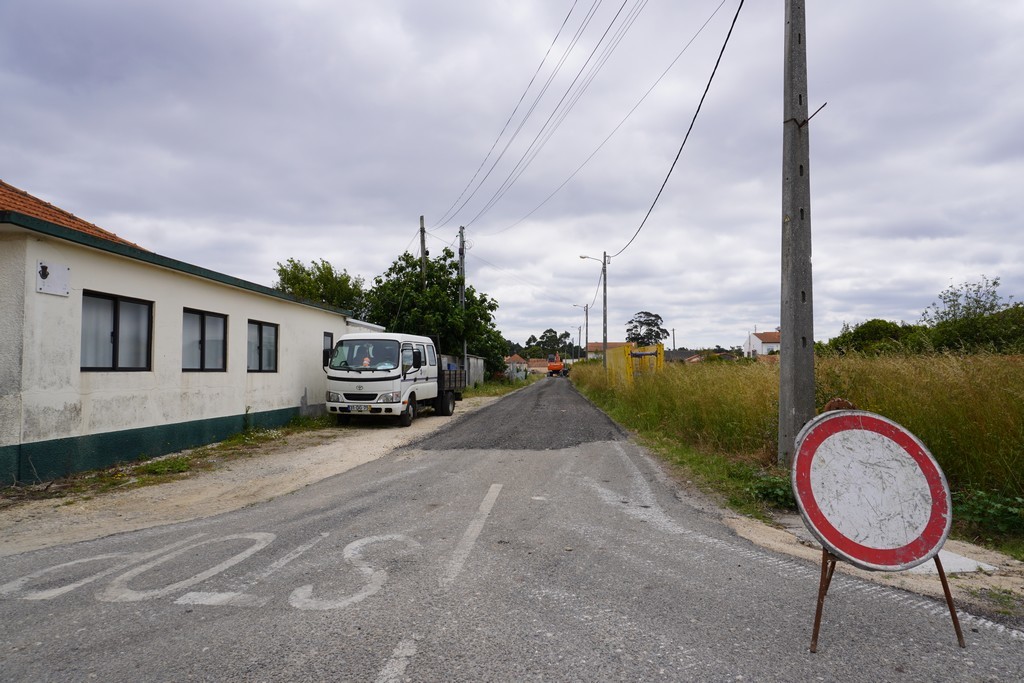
x=870, y=491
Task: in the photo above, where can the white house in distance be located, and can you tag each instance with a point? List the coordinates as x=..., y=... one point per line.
x=762, y=343
x=109, y=352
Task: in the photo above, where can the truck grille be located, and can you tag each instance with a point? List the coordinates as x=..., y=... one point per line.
x=360, y=397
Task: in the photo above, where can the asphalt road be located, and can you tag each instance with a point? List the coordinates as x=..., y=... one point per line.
x=532, y=540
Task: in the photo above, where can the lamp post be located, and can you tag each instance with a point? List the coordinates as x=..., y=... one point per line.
x=586, y=327
x=604, y=281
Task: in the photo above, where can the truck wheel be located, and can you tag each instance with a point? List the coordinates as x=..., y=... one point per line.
x=445, y=404
x=409, y=414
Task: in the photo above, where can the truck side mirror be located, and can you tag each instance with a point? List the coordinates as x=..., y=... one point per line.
x=417, y=359
x=327, y=356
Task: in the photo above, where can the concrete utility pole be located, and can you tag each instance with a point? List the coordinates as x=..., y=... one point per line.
x=462, y=292
x=796, y=355
x=586, y=329
x=604, y=279
x=423, y=253
x=586, y=326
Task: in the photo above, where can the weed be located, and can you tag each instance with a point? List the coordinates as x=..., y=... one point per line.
x=989, y=513
x=172, y=465
x=773, y=490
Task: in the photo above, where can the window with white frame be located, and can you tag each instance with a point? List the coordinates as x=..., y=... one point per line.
x=116, y=332
x=203, y=341
x=262, y=347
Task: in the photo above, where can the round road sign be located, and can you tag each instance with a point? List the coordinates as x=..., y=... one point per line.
x=870, y=491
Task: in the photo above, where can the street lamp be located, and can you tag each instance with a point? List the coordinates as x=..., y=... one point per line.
x=586, y=327
x=604, y=280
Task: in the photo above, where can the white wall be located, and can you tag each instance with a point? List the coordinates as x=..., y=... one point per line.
x=57, y=399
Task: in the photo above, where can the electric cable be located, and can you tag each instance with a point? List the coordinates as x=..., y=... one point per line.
x=688, y=131
x=449, y=215
x=558, y=107
x=616, y=129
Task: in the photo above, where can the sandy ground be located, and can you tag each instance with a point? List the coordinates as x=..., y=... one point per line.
x=295, y=462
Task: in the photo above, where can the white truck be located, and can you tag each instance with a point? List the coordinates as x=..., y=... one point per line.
x=381, y=374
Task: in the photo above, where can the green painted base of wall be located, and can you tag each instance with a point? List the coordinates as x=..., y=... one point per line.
x=46, y=460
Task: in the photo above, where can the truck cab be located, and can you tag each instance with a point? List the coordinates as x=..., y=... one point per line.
x=389, y=375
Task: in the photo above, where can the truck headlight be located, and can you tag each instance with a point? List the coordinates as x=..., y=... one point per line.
x=390, y=397
x=333, y=397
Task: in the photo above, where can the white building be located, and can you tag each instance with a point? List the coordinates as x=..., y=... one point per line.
x=109, y=352
x=762, y=343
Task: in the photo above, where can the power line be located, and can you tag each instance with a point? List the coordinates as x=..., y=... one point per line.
x=449, y=215
x=594, y=66
x=619, y=125
x=688, y=131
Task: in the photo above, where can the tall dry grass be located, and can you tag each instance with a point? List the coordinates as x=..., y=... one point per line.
x=967, y=409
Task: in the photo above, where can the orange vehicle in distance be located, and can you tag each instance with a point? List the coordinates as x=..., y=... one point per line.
x=556, y=367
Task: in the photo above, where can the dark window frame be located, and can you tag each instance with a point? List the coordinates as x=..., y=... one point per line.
x=261, y=326
x=203, y=315
x=115, y=336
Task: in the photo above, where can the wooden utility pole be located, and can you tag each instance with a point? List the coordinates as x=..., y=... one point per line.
x=796, y=355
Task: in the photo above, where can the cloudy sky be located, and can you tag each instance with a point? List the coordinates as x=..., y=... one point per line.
x=240, y=133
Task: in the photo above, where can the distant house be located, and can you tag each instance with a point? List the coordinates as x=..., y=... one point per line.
x=110, y=352
x=762, y=344
x=537, y=365
x=516, y=366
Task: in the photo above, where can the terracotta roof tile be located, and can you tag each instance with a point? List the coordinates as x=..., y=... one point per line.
x=769, y=337
x=13, y=199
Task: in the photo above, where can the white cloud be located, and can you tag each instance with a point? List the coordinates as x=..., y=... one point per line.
x=235, y=135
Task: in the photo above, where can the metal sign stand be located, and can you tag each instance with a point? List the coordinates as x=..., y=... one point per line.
x=828, y=568
x=873, y=496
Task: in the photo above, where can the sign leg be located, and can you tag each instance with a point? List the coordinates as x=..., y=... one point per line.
x=949, y=603
x=828, y=568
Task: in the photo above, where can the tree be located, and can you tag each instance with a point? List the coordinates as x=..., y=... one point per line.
x=966, y=301
x=319, y=281
x=399, y=301
x=972, y=316
x=871, y=336
x=644, y=329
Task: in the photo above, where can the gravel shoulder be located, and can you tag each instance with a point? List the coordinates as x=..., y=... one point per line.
x=289, y=464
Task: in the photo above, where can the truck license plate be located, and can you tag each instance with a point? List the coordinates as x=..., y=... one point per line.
x=359, y=409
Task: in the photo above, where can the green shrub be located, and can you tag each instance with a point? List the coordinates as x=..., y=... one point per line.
x=989, y=513
x=173, y=465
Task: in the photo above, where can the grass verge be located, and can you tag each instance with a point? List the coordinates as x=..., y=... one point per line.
x=151, y=471
x=717, y=422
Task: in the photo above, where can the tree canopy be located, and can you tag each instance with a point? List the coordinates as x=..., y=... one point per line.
x=319, y=281
x=966, y=317
x=645, y=329
x=399, y=301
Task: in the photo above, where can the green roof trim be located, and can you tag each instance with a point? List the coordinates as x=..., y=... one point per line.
x=93, y=242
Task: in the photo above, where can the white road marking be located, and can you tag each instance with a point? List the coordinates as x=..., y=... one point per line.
x=302, y=597
x=14, y=587
x=469, y=538
x=118, y=590
x=240, y=598
x=394, y=670
x=234, y=598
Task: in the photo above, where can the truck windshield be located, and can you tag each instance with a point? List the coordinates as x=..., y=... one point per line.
x=362, y=355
